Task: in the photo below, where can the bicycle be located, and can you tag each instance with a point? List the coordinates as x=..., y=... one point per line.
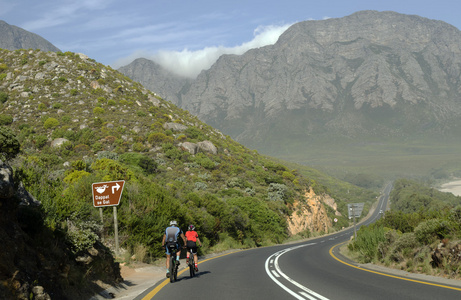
x=191, y=264
x=173, y=262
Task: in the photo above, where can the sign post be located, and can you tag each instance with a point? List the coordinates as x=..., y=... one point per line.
x=355, y=210
x=109, y=194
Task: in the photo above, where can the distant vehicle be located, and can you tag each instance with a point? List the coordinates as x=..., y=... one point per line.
x=381, y=211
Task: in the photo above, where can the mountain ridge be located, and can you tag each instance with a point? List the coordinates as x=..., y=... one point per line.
x=13, y=38
x=359, y=78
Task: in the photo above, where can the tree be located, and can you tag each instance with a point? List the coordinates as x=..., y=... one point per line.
x=9, y=144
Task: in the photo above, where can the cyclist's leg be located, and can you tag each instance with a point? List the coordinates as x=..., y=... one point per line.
x=167, y=261
x=178, y=253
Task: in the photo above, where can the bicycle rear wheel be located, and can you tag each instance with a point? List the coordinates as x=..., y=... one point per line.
x=172, y=268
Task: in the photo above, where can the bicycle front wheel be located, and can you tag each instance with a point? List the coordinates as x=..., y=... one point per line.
x=192, y=267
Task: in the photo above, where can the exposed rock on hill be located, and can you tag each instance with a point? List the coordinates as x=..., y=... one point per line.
x=13, y=38
x=309, y=214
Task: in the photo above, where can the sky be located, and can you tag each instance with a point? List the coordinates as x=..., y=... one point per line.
x=186, y=36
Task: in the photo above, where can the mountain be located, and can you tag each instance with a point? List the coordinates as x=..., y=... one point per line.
x=372, y=90
x=168, y=85
x=67, y=122
x=13, y=38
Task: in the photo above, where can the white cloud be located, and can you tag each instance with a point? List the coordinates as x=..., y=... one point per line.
x=190, y=63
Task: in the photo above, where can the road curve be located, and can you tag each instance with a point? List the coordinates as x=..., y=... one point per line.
x=313, y=269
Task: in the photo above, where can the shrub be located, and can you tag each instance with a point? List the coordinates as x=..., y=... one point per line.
x=40, y=141
x=51, y=123
x=5, y=120
x=98, y=110
x=9, y=144
x=82, y=148
x=3, y=97
x=159, y=138
x=429, y=231
x=111, y=170
x=367, y=242
x=97, y=147
x=82, y=235
x=75, y=176
x=194, y=133
x=73, y=92
x=66, y=119
x=57, y=105
x=276, y=192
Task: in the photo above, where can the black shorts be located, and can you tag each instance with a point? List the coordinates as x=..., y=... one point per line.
x=192, y=246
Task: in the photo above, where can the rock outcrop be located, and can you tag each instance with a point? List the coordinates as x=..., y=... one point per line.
x=309, y=214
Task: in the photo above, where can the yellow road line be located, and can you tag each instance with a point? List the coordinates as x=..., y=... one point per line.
x=388, y=275
x=152, y=293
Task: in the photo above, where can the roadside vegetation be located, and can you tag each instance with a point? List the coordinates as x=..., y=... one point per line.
x=421, y=233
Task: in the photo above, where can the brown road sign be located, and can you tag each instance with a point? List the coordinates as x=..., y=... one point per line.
x=107, y=193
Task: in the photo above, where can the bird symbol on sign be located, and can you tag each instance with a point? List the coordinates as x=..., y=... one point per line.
x=101, y=189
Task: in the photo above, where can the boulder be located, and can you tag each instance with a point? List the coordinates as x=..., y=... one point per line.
x=207, y=146
x=58, y=142
x=175, y=126
x=25, y=197
x=188, y=146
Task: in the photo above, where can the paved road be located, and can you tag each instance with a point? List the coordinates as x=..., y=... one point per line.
x=310, y=270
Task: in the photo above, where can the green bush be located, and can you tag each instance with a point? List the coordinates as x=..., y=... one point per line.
x=75, y=176
x=82, y=234
x=40, y=141
x=3, y=97
x=5, y=119
x=429, y=231
x=51, y=123
x=9, y=144
x=159, y=138
x=98, y=110
x=367, y=242
x=111, y=170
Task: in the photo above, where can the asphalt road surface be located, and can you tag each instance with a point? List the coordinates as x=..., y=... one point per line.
x=313, y=269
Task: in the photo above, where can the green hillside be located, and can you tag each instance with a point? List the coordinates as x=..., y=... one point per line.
x=79, y=122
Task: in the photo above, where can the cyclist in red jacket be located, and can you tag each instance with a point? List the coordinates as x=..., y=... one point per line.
x=192, y=239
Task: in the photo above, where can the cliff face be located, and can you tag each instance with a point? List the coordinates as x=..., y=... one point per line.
x=371, y=75
x=311, y=214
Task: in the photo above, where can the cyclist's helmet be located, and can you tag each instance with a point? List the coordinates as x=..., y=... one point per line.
x=173, y=223
x=191, y=227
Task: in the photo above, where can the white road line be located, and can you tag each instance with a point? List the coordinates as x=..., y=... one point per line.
x=306, y=292
x=275, y=273
x=307, y=296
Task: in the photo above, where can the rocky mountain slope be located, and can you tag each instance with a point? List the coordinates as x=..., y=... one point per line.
x=13, y=37
x=338, y=84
